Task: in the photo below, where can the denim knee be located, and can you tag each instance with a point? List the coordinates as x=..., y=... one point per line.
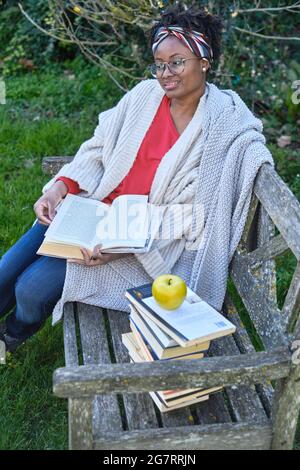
x=6, y=272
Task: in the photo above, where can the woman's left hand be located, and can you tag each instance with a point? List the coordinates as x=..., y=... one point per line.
x=97, y=258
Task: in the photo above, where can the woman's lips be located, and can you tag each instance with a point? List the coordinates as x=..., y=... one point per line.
x=171, y=85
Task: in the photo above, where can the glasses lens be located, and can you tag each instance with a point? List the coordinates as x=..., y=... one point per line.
x=176, y=66
x=153, y=69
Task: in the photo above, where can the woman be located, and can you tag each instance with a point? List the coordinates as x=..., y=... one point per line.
x=178, y=139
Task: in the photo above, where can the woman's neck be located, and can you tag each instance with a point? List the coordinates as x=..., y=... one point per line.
x=186, y=106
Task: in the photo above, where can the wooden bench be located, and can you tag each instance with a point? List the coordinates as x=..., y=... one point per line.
x=109, y=407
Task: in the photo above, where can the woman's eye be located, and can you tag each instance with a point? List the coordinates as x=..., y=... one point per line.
x=177, y=62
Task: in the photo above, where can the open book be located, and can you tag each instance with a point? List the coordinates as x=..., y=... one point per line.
x=128, y=225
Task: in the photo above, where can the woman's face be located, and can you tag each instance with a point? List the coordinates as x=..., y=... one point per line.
x=191, y=80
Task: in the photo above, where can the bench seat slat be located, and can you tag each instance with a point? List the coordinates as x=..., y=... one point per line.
x=95, y=350
x=243, y=399
x=70, y=341
x=139, y=408
x=213, y=410
x=227, y=436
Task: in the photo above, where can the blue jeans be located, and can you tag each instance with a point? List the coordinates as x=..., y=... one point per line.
x=30, y=284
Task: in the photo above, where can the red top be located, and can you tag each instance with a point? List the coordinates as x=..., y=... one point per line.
x=160, y=137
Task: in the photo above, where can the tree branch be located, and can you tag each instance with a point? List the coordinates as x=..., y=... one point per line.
x=281, y=38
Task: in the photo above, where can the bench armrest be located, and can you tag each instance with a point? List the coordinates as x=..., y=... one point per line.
x=89, y=380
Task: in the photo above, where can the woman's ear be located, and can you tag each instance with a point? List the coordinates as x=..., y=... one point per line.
x=204, y=65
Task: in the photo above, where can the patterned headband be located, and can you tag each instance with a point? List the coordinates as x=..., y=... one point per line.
x=192, y=39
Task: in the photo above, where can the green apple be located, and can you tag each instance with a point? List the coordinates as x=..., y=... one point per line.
x=169, y=291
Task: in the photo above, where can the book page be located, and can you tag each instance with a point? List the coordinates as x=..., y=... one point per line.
x=75, y=222
x=126, y=225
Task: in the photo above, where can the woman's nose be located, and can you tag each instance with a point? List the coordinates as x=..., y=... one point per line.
x=167, y=72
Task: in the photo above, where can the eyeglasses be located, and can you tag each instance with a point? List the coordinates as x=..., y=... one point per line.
x=175, y=66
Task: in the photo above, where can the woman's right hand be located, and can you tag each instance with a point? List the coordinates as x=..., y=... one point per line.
x=44, y=207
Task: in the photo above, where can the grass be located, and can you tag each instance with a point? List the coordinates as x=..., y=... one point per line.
x=52, y=113
x=45, y=114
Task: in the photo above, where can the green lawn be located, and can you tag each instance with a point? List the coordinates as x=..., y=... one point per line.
x=51, y=113
x=45, y=114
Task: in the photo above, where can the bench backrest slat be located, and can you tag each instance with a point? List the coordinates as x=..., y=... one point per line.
x=253, y=267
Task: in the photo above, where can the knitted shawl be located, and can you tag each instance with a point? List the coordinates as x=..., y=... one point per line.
x=209, y=171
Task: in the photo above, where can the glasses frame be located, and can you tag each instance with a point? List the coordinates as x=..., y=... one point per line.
x=168, y=65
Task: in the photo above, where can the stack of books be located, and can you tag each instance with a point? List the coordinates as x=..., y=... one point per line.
x=158, y=334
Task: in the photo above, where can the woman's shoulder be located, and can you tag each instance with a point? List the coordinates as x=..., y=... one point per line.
x=229, y=104
x=145, y=87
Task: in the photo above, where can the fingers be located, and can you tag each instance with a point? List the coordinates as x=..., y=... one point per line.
x=75, y=260
x=51, y=210
x=96, y=259
x=86, y=256
x=97, y=251
x=87, y=259
x=41, y=210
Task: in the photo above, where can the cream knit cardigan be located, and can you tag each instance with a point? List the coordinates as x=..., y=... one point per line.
x=211, y=168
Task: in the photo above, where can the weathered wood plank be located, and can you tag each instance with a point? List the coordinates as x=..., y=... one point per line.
x=139, y=408
x=79, y=411
x=233, y=436
x=243, y=342
x=291, y=306
x=247, y=235
x=286, y=411
x=95, y=350
x=212, y=411
x=266, y=272
x=275, y=247
x=70, y=341
x=243, y=400
x=296, y=333
x=51, y=165
x=266, y=317
x=256, y=285
x=242, y=369
x=281, y=205
x=80, y=424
